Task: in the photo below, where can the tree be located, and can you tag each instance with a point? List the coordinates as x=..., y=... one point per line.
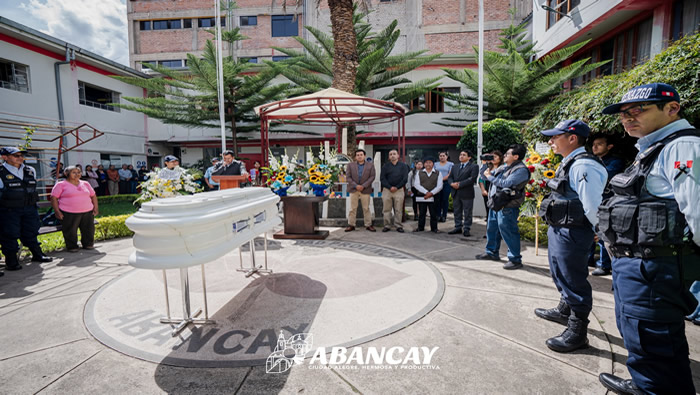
x=514, y=86
x=190, y=99
x=315, y=68
x=499, y=134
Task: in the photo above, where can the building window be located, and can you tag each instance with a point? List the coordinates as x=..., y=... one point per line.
x=560, y=9
x=173, y=64
x=150, y=62
x=284, y=26
x=93, y=96
x=187, y=23
x=279, y=58
x=249, y=20
x=145, y=25
x=167, y=24
x=433, y=102
x=252, y=59
x=14, y=76
x=210, y=22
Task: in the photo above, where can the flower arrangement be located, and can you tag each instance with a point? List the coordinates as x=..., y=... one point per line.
x=155, y=187
x=541, y=169
x=280, y=175
x=322, y=173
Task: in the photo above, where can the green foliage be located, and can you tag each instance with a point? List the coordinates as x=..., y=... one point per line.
x=678, y=65
x=498, y=134
x=117, y=208
x=27, y=138
x=191, y=99
x=106, y=229
x=515, y=88
x=312, y=69
x=527, y=230
x=110, y=199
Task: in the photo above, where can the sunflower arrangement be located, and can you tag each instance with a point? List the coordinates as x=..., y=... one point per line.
x=542, y=168
x=280, y=175
x=321, y=174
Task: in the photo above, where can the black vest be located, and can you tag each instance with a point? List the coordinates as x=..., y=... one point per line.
x=562, y=207
x=633, y=216
x=509, y=197
x=428, y=182
x=18, y=193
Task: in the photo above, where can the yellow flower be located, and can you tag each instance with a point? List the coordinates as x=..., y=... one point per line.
x=283, y=168
x=313, y=180
x=280, y=178
x=281, y=174
x=549, y=173
x=318, y=174
x=535, y=159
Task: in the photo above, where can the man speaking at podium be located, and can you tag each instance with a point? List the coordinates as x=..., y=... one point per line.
x=230, y=166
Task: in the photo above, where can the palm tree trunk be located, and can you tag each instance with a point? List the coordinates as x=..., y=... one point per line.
x=345, y=59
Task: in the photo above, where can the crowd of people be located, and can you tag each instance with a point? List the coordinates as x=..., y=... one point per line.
x=643, y=219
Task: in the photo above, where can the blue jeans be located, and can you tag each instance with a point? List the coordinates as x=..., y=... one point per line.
x=504, y=224
x=604, y=262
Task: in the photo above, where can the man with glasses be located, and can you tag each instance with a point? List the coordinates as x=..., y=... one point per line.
x=571, y=210
x=18, y=211
x=651, y=227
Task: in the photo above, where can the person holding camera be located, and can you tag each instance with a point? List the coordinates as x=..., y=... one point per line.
x=506, y=194
x=491, y=161
x=570, y=210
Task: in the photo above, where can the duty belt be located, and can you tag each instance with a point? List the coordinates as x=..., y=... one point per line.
x=647, y=252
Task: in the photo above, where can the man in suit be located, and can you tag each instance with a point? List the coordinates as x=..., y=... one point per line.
x=462, y=179
x=230, y=166
x=360, y=176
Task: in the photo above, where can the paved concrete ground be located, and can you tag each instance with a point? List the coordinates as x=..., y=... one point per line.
x=490, y=341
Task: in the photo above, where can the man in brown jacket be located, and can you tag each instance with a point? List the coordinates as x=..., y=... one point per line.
x=360, y=177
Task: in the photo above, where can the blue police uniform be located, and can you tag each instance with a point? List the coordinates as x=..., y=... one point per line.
x=18, y=211
x=646, y=226
x=571, y=212
x=614, y=166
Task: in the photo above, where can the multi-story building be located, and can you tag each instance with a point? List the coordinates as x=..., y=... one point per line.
x=627, y=31
x=165, y=31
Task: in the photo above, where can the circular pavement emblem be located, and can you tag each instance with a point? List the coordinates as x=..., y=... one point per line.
x=343, y=293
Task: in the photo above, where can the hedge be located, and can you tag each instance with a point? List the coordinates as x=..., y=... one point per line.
x=678, y=65
x=527, y=230
x=498, y=134
x=117, y=198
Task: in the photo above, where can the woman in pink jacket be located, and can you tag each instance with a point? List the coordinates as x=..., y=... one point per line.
x=75, y=204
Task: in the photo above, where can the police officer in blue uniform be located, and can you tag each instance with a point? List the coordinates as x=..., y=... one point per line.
x=18, y=210
x=651, y=227
x=571, y=210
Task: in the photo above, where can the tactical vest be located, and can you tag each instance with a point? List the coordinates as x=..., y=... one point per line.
x=428, y=182
x=562, y=207
x=18, y=193
x=634, y=217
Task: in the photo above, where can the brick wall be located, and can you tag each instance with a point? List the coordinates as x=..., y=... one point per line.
x=460, y=43
x=260, y=36
x=176, y=40
x=171, y=5
x=439, y=12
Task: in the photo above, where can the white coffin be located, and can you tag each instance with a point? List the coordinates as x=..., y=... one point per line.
x=195, y=229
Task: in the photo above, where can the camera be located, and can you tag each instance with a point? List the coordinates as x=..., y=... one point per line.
x=486, y=157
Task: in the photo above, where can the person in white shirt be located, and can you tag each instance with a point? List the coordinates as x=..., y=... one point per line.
x=428, y=183
x=171, y=171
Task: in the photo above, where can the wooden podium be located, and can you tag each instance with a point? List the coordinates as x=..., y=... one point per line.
x=301, y=218
x=227, y=182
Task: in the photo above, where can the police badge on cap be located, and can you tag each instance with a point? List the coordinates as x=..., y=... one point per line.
x=11, y=151
x=171, y=158
x=648, y=93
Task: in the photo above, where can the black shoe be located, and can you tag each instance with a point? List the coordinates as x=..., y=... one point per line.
x=618, y=385
x=696, y=321
x=487, y=257
x=466, y=234
x=12, y=268
x=513, y=265
x=559, y=314
x=435, y=231
x=386, y=229
x=38, y=255
x=2, y=274
x=484, y=237
x=11, y=262
x=400, y=230
x=417, y=230
x=599, y=271
x=573, y=337
x=455, y=231
x=443, y=219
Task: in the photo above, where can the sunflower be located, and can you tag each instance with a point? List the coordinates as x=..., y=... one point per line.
x=535, y=158
x=283, y=168
x=318, y=174
x=313, y=179
x=281, y=174
x=280, y=179
x=549, y=173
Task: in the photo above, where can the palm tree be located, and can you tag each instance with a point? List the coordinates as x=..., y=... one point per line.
x=314, y=68
x=190, y=99
x=514, y=86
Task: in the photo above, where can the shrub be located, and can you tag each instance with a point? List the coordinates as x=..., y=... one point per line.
x=498, y=134
x=106, y=229
x=678, y=65
x=527, y=230
x=117, y=198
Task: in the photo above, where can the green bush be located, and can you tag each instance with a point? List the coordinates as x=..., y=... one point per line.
x=498, y=134
x=527, y=230
x=106, y=229
x=117, y=198
x=679, y=65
